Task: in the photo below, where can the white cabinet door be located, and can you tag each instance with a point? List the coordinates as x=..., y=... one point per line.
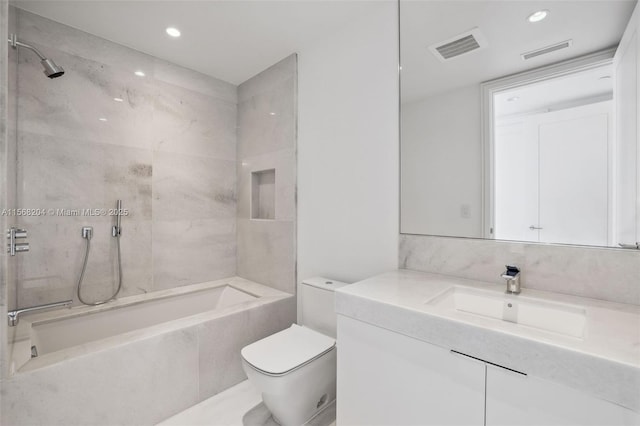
x=385, y=378
x=514, y=399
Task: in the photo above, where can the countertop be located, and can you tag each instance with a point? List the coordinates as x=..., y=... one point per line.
x=605, y=362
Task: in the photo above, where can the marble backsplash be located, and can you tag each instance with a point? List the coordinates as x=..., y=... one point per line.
x=599, y=273
x=164, y=143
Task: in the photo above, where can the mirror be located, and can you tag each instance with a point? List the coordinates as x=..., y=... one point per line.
x=518, y=121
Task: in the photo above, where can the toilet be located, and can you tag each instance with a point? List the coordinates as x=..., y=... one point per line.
x=295, y=369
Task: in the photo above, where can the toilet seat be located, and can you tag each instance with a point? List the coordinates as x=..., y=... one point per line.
x=287, y=350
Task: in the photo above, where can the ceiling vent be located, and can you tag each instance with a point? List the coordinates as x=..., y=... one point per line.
x=459, y=45
x=547, y=49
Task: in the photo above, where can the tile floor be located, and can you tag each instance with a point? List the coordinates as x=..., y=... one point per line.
x=240, y=405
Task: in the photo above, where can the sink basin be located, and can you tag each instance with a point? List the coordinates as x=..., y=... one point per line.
x=561, y=318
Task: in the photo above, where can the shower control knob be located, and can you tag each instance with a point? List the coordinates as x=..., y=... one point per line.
x=17, y=248
x=21, y=247
x=17, y=233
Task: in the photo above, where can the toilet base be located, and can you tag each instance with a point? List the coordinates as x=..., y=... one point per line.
x=326, y=408
x=296, y=397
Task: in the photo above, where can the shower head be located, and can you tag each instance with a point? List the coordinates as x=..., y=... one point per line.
x=51, y=70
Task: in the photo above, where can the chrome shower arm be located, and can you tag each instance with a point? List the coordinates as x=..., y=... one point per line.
x=13, y=41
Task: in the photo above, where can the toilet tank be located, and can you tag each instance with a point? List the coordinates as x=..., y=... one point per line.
x=318, y=304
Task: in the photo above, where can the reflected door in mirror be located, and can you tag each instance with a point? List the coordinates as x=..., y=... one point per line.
x=552, y=176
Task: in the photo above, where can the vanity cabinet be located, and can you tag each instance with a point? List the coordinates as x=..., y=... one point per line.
x=385, y=378
x=518, y=399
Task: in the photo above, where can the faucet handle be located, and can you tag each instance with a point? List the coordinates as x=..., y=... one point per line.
x=511, y=272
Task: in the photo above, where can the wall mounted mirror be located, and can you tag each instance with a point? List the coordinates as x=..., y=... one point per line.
x=519, y=121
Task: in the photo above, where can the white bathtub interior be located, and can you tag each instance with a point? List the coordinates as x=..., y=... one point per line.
x=57, y=334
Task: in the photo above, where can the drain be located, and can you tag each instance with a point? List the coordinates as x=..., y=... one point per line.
x=322, y=401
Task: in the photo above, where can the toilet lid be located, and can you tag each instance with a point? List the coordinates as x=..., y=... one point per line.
x=287, y=349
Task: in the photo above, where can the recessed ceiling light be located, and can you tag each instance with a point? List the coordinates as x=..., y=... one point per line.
x=173, y=32
x=118, y=99
x=139, y=73
x=102, y=119
x=538, y=16
x=513, y=98
x=272, y=113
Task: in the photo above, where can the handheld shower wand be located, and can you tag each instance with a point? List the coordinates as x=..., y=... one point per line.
x=117, y=229
x=87, y=233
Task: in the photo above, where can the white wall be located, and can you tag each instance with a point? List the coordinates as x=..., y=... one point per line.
x=348, y=150
x=441, y=136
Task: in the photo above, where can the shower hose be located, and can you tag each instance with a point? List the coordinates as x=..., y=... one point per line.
x=84, y=267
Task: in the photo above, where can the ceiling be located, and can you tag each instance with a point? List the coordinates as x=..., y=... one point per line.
x=591, y=24
x=230, y=40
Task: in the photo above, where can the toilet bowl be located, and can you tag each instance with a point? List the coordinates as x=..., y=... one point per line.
x=295, y=369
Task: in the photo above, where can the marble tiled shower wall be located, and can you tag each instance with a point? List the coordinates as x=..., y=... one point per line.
x=599, y=273
x=267, y=140
x=168, y=150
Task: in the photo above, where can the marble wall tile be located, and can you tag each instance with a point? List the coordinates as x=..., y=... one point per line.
x=271, y=77
x=285, y=185
x=137, y=384
x=221, y=365
x=266, y=253
x=127, y=175
x=266, y=121
x=188, y=122
x=68, y=174
x=71, y=106
x=193, y=251
x=190, y=187
x=267, y=140
x=176, y=75
x=606, y=274
x=59, y=173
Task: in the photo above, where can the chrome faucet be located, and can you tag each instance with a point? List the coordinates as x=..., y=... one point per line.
x=512, y=275
x=14, y=316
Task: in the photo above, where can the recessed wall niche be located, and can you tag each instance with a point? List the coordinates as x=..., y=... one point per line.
x=263, y=194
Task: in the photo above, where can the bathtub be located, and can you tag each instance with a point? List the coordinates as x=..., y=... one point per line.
x=170, y=349
x=79, y=328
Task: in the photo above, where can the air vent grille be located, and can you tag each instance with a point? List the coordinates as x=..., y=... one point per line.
x=459, y=45
x=547, y=49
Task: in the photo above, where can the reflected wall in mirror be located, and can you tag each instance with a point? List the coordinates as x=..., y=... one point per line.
x=520, y=130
